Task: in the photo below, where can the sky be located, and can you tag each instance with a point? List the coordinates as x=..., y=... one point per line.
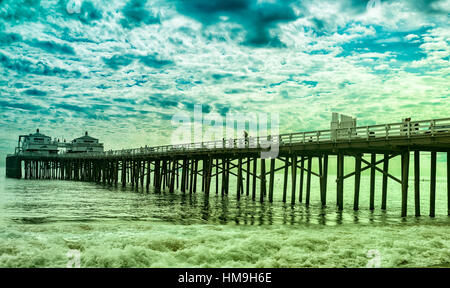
x=122, y=69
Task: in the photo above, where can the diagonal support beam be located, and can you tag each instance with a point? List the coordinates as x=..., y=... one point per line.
x=380, y=170
x=369, y=165
x=298, y=166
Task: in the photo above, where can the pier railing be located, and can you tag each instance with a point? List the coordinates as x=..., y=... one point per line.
x=373, y=132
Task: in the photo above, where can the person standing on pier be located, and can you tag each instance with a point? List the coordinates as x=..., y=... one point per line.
x=246, y=138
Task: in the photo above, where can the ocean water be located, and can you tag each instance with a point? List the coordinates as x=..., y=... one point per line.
x=42, y=223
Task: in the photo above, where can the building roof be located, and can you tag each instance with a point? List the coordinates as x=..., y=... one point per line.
x=86, y=137
x=38, y=134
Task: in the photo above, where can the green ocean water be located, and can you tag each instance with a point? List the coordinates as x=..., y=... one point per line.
x=42, y=220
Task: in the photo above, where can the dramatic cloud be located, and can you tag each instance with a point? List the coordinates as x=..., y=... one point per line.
x=432, y=6
x=123, y=69
x=117, y=61
x=256, y=17
x=53, y=47
x=84, y=11
x=136, y=14
x=153, y=61
x=35, y=92
x=24, y=66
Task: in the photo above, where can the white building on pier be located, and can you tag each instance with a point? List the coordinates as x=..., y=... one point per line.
x=85, y=144
x=37, y=143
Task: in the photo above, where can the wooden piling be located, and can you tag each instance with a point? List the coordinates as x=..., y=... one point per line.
x=139, y=174
x=204, y=168
x=308, y=181
x=324, y=180
x=433, y=184
x=271, y=179
x=191, y=176
x=300, y=189
x=25, y=166
x=357, y=181
x=188, y=172
x=405, y=175
x=319, y=160
x=161, y=176
x=227, y=171
x=149, y=171
x=133, y=164
x=183, y=176
x=223, y=177
x=164, y=174
x=128, y=167
x=142, y=173
x=239, y=179
x=133, y=173
x=385, y=181
x=417, y=182
x=294, y=177
x=209, y=173
x=177, y=171
x=263, y=180
x=172, y=177
x=168, y=173
x=255, y=167
x=373, y=159
x=247, y=183
x=217, y=176
x=340, y=181
x=116, y=171
x=286, y=171
x=156, y=176
x=194, y=179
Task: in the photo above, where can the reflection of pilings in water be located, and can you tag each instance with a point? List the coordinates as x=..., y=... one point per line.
x=165, y=173
x=339, y=217
x=262, y=213
x=224, y=211
x=238, y=215
x=356, y=216
x=269, y=213
x=252, y=212
x=292, y=215
x=322, y=215
x=205, y=209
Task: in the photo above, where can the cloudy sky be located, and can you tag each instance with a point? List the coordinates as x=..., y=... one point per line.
x=122, y=69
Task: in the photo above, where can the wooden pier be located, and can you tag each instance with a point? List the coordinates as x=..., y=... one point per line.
x=182, y=167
